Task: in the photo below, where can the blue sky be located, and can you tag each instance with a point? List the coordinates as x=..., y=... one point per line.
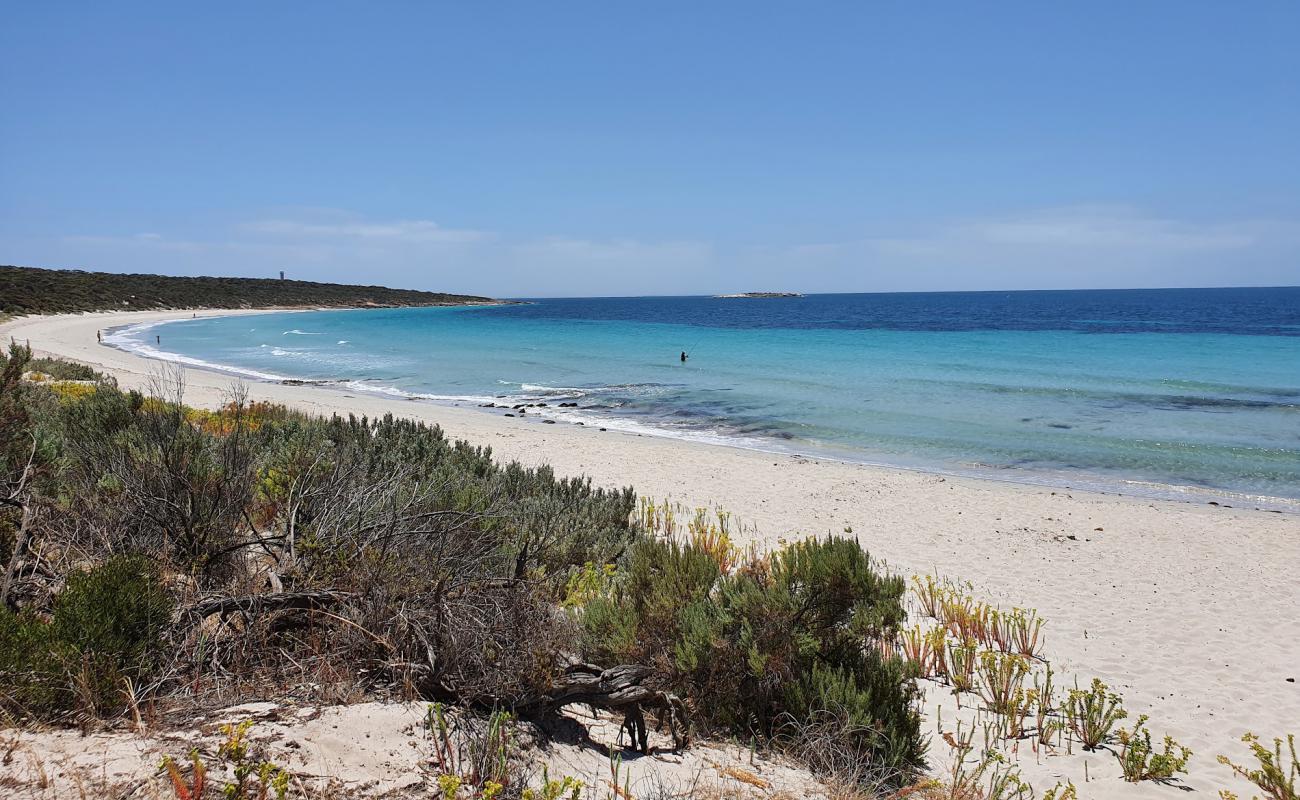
x=528, y=149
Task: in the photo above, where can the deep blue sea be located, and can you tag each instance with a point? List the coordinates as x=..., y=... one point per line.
x=1164, y=392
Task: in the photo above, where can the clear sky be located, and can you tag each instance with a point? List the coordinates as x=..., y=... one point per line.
x=567, y=148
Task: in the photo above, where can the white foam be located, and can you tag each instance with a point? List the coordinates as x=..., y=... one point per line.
x=122, y=339
x=393, y=391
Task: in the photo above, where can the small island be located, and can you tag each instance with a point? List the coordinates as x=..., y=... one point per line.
x=761, y=294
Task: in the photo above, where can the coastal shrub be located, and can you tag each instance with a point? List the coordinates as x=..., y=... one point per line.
x=251, y=779
x=776, y=641
x=155, y=481
x=30, y=666
x=924, y=648
x=107, y=627
x=1024, y=628
x=1062, y=791
x=1278, y=770
x=479, y=756
x=960, y=661
x=1048, y=724
x=1001, y=677
x=875, y=703
x=60, y=370
x=1091, y=713
x=1141, y=761
x=349, y=546
x=658, y=591
x=977, y=773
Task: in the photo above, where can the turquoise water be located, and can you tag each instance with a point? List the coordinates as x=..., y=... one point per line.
x=1157, y=393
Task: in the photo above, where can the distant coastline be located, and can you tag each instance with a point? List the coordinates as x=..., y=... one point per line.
x=33, y=290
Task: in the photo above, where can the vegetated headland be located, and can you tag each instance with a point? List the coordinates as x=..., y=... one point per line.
x=32, y=290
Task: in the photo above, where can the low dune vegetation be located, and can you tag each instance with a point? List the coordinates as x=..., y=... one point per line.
x=159, y=560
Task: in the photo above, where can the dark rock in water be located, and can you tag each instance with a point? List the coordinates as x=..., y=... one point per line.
x=549, y=421
x=568, y=405
x=579, y=423
x=604, y=429
x=487, y=405
x=541, y=405
x=508, y=415
x=1060, y=425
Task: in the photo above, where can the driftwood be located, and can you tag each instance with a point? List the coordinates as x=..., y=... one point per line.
x=254, y=604
x=626, y=688
x=622, y=688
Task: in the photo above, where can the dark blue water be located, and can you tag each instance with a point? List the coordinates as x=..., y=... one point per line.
x=1253, y=311
x=1152, y=391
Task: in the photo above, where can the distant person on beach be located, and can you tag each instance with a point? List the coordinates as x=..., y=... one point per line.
x=99, y=337
x=158, y=339
x=683, y=356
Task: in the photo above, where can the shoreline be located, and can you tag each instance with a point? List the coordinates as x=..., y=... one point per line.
x=1062, y=480
x=1180, y=607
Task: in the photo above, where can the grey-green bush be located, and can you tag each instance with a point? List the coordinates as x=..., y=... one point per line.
x=778, y=640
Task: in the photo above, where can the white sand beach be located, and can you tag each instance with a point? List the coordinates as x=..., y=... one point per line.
x=1190, y=611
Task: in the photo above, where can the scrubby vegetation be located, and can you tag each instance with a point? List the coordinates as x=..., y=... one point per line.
x=103, y=637
x=28, y=290
x=774, y=641
x=997, y=656
x=59, y=370
x=1278, y=770
x=157, y=556
x=1141, y=761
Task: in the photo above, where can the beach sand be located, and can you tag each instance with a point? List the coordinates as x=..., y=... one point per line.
x=1190, y=611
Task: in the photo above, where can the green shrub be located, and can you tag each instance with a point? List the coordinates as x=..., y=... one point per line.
x=1139, y=759
x=1278, y=769
x=30, y=666
x=107, y=627
x=61, y=370
x=875, y=699
x=773, y=644
x=1092, y=713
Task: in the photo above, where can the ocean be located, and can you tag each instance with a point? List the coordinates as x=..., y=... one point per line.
x=1179, y=392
